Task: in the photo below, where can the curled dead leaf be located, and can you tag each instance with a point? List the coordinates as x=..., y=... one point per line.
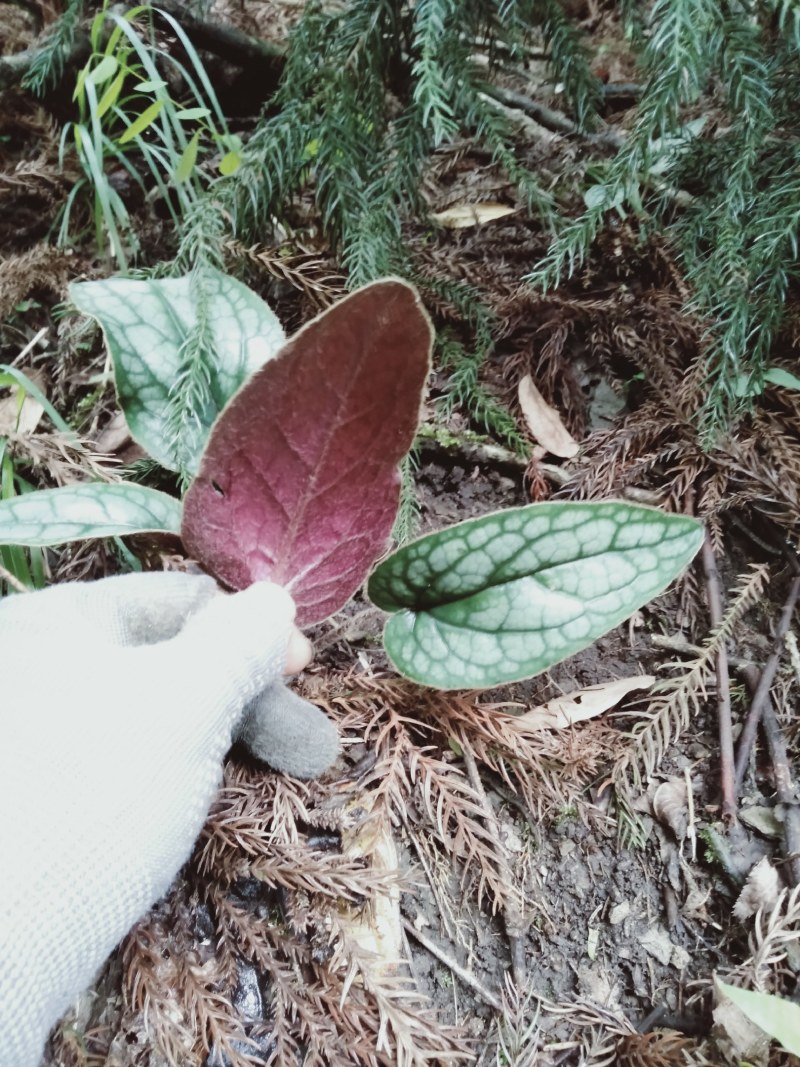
x=582, y=704
x=544, y=422
x=761, y=890
x=670, y=806
x=114, y=435
x=460, y=216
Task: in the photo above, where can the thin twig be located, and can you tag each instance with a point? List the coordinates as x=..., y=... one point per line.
x=764, y=684
x=473, y=449
x=551, y=119
x=784, y=783
x=512, y=911
x=726, y=770
x=467, y=977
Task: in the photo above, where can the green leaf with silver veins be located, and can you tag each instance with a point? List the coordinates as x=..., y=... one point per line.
x=76, y=512
x=506, y=596
x=146, y=323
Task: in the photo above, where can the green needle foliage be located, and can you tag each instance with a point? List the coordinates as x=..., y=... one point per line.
x=368, y=93
x=370, y=90
x=48, y=66
x=725, y=188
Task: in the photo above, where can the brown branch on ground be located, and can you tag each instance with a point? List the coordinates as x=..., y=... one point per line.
x=726, y=772
x=14, y=68
x=674, y=702
x=467, y=977
x=748, y=735
x=785, y=786
x=553, y=120
x=226, y=42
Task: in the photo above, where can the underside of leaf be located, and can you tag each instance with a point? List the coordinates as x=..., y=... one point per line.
x=299, y=483
x=505, y=596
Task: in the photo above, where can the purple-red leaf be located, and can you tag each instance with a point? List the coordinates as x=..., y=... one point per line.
x=299, y=482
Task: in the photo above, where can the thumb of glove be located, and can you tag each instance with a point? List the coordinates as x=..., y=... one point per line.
x=289, y=733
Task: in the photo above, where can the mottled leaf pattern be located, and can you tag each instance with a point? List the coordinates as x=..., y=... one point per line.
x=503, y=597
x=299, y=482
x=75, y=512
x=146, y=323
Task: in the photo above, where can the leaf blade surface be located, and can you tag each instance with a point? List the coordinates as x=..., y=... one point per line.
x=505, y=596
x=76, y=512
x=299, y=483
x=146, y=323
x=776, y=1016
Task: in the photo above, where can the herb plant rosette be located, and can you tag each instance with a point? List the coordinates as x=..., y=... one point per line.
x=294, y=451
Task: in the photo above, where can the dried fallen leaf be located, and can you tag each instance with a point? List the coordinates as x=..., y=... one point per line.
x=460, y=216
x=670, y=806
x=656, y=943
x=20, y=412
x=544, y=422
x=761, y=890
x=114, y=435
x=582, y=704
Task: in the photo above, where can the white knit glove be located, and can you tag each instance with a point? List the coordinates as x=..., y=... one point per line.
x=119, y=700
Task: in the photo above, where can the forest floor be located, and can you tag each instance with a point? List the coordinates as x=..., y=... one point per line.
x=560, y=884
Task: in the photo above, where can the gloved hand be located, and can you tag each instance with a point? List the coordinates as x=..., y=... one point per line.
x=119, y=700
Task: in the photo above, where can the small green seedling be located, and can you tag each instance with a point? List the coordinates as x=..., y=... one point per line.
x=294, y=458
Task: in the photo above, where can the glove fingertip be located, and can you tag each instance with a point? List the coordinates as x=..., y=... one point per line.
x=310, y=760
x=289, y=733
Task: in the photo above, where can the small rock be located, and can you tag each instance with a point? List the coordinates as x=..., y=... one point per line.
x=680, y=957
x=657, y=944
x=247, y=999
x=619, y=913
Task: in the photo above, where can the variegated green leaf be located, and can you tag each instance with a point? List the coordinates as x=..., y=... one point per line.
x=506, y=596
x=53, y=516
x=147, y=322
